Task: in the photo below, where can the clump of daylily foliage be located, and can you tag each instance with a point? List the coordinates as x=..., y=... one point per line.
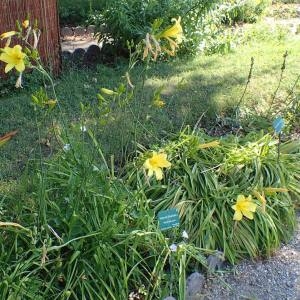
x=236, y=195
x=85, y=231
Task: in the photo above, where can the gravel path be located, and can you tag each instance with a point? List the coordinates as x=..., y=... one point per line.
x=277, y=278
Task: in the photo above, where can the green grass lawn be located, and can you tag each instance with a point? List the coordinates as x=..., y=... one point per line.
x=205, y=86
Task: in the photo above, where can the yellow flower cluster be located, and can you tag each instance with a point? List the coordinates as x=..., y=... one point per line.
x=14, y=57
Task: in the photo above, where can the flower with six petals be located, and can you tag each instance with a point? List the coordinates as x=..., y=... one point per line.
x=14, y=58
x=244, y=207
x=173, y=35
x=155, y=164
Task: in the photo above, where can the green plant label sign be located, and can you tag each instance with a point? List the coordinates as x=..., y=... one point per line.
x=168, y=219
x=278, y=125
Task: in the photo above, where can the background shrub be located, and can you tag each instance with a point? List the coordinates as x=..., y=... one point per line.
x=72, y=12
x=129, y=20
x=244, y=11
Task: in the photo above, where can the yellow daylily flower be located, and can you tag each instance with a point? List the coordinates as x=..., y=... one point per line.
x=155, y=164
x=8, y=34
x=174, y=31
x=209, y=145
x=25, y=23
x=173, y=35
x=14, y=57
x=244, y=207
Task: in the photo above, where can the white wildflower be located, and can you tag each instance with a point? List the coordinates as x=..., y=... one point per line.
x=83, y=128
x=173, y=247
x=67, y=147
x=185, y=234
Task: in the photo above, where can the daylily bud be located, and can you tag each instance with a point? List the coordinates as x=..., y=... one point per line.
x=25, y=24
x=8, y=34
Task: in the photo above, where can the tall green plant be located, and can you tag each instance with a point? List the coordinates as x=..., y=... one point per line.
x=82, y=233
x=129, y=20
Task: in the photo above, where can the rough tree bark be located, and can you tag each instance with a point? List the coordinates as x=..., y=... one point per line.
x=45, y=11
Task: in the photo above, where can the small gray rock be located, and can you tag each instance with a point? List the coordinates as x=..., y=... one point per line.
x=215, y=261
x=170, y=298
x=194, y=286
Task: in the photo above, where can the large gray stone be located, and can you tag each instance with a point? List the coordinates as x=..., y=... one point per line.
x=194, y=286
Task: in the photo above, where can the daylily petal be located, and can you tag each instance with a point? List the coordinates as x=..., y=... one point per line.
x=237, y=215
x=248, y=214
x=20, y=66
x=251, y=206
x=8, y=67
x=150, y=173
x=163, y=163
x=240, y=198
x=147, y=164
x=5, y=57
x=158, y=174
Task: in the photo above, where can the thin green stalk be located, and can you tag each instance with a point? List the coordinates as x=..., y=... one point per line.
x=182, y=277
x=245, y=89
x=283, y=67
x=42, y=187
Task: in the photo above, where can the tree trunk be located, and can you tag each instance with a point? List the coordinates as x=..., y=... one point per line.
x=46, y=13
